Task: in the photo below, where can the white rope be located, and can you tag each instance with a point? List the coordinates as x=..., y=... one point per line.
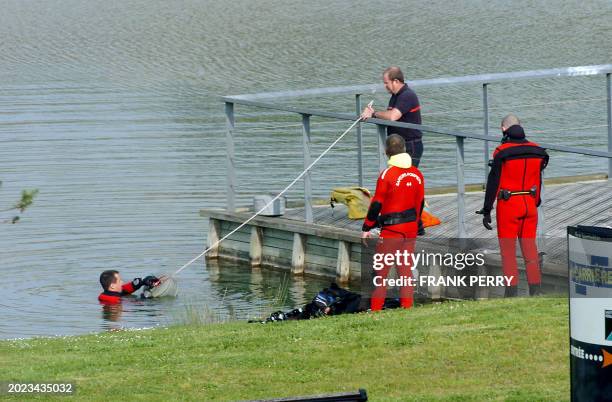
x=273, y=199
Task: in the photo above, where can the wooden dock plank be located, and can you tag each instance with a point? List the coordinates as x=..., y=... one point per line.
x=239, y=236
x=285, y=244
x=322, y=242
x=277, y=253
x=272, y=233
x=322, y=250
x=236, y=245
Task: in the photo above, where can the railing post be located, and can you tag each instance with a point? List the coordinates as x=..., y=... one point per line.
x=485, y=107
x=609, y=102
x=359, y=141
x=461, y=229
x=231, y=171
x=541, y=228
x=307, y=177
x=382, y=138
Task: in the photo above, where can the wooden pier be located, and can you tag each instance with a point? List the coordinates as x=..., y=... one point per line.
x=331, y=245
x=319, y=241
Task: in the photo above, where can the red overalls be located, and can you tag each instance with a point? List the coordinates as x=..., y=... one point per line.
x=396, y=206
x=517, y=168
x=108, y=297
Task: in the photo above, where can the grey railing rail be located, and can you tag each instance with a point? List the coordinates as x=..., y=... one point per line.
x=256, y=100
x=443, y=81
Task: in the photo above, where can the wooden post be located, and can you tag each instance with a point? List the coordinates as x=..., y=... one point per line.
x=256, y=247
x=344, y=261
x=482, y=292
x=298, y=256
x=435, y=291
x=214, y=234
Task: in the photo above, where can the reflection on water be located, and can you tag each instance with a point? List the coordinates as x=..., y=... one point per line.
x=231, y=292
x=112, y=312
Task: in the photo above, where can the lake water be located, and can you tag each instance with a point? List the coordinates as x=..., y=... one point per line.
x=111, y=110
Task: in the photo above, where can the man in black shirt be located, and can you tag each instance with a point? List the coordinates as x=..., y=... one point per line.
x=403, y=107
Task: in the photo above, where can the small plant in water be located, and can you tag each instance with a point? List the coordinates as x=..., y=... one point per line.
x=280, y=299
x=27, y=198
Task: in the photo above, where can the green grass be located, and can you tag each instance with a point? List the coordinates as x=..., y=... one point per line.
x=459, y=351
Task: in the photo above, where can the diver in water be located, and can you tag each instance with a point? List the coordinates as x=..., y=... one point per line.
x=114, y=287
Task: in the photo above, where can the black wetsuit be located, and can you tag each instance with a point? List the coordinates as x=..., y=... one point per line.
x=339, y=301
x=407, y=102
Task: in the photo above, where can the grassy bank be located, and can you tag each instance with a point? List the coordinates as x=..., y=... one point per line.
x=489, y=350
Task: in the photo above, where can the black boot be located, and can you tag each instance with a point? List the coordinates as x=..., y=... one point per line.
x=511, y=291
x=421, y=231
x=535, y=289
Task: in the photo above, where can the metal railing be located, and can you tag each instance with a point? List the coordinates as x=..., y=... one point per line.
x=261, y=101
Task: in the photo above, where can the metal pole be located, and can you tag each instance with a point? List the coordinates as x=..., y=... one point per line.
x=359, y=141
x=609, y=102
x=485, y=106
x=382, y=156
x=231, y=171
x=307, y=178
x=461, y=229
x=541, y=228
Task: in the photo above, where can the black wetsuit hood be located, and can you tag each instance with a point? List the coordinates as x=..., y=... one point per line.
x=514, y=134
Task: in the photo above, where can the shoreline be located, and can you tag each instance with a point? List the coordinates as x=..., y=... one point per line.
x=454, y=350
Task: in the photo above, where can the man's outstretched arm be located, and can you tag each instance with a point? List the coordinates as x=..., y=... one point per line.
x=393, y=114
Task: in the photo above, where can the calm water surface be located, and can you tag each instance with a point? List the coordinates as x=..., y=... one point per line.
x=110, y=110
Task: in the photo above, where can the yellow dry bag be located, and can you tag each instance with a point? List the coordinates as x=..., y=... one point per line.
x=357, y=199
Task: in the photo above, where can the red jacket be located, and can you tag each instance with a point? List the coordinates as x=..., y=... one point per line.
x=400, y=188
x=108, y=297
x=517, y=166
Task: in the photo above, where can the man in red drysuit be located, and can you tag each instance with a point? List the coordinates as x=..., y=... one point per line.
x=114, y=287
x=396, y=207
x=515, y=180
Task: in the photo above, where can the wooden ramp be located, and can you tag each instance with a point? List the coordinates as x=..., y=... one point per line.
x=330, y=246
